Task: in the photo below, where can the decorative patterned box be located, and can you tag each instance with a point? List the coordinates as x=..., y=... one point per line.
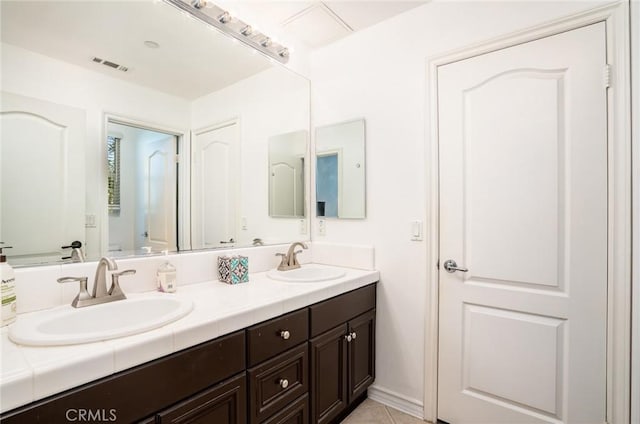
x=233, y=269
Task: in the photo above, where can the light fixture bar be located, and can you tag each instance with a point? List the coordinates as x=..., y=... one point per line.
x=241, y=31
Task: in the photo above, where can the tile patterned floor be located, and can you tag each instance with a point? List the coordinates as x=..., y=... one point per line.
x=372, y=412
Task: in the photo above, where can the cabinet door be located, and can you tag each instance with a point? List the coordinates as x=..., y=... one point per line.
x=329, y=395
x=362, y=358
x=224, y=403
x=276, y=383
x=295, y=413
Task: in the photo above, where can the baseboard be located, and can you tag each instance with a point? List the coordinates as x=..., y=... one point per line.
x=395, y=400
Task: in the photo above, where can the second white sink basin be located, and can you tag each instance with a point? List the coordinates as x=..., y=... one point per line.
x=307, y=274
x=67, y=325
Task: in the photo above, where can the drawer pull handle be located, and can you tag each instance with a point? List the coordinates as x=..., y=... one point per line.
x=285, y=335
x=348, y=338
x=353, y=335
x=284, y=383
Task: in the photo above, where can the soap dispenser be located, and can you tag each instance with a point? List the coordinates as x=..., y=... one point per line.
x=8, y=289
x=166, y=276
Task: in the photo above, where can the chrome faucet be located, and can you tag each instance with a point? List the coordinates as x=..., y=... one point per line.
x=77, y=255
x=290, y=260
x=100, y=293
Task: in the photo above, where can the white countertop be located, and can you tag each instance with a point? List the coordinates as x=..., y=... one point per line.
x=32, y=373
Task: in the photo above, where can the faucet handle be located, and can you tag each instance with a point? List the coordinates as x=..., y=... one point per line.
x=115, y=290
x=83, y=294
x=283, y=261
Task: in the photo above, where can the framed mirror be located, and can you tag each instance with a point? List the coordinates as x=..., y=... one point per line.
x=75, y=71
x=341, y=171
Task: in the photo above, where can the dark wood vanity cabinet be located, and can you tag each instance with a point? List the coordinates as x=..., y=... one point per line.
x=276, y=383
x=343, y=357
x=141, y=392
x=310, y=365
x=223, y=403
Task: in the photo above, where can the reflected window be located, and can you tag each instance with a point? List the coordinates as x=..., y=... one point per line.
x=113, y=163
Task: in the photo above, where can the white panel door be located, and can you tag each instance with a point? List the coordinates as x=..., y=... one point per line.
x=42, y=176
x=283, y=189
x=523, y=206
x=215, y=176
x=160, y=194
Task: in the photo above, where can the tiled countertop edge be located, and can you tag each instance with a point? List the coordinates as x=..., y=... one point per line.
x=33, y=373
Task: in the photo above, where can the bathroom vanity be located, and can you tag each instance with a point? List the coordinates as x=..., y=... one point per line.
x=310, y=364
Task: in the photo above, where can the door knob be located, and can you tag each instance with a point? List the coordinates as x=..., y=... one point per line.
x=451, y=266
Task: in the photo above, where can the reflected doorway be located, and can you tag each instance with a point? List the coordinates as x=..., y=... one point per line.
x=142, y=189
x=327, y=184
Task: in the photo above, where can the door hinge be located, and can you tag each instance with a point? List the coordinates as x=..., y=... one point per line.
x=438, y=264
x=607, y=76
x=177, y=158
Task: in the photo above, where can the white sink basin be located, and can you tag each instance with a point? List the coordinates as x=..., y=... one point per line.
x=67, y=325
x=306, y=274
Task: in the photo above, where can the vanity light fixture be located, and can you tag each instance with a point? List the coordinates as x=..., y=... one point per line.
x=266, y=42
x=220, y=19
x=199, y=4
x=224, y=18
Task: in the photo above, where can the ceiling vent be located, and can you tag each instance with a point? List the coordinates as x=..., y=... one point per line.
x=110, y=64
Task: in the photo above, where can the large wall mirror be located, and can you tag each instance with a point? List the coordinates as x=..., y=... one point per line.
x=340, y=170
x=133, y=128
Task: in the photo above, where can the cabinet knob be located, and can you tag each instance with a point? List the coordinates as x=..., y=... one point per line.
x=284, y=383
x=285, y=334
x=353, y=335
x=348, y=338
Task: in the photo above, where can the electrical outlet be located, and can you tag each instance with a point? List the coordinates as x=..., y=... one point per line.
x=243, y=222
x=303, y=227
x=322, y=227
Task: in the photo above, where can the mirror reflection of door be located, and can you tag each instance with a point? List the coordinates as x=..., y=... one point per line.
x=42, y=178
x=214, y=179
x=142, y=189
x=286, y=174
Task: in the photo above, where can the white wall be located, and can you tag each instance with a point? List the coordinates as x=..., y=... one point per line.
x=34, y=75
x=380, y=74
x=270, y=103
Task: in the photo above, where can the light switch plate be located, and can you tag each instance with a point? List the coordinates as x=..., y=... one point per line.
x=322, y=227
x=416, y=230
x=90, y=221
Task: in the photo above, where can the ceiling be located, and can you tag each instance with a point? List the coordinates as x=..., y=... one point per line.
x=315, y=23
x=191, y=60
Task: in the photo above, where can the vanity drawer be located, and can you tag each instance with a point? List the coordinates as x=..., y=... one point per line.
x=296, y=413
x=268, y=339
x=277, y=382
x=340, y=309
